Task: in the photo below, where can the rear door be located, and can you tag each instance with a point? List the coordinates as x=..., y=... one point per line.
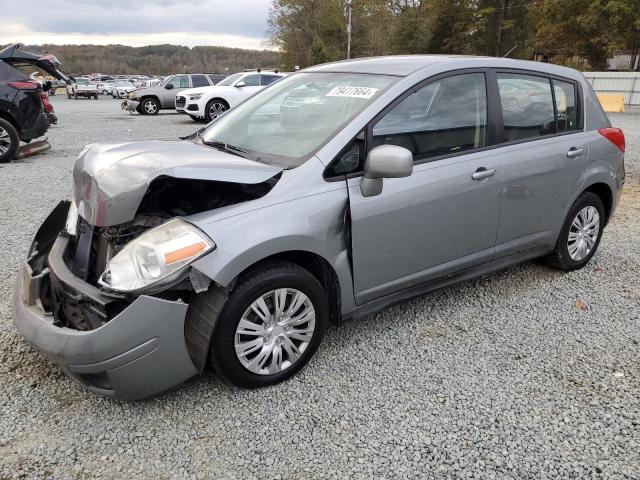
x=444, y=217
x=543, y=158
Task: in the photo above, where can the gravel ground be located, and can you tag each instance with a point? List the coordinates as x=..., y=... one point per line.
x=529, y=373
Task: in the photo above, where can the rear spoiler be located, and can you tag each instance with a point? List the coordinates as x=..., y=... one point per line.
x=20, y=58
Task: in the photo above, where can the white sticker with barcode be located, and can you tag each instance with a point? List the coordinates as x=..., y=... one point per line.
x=355, y=92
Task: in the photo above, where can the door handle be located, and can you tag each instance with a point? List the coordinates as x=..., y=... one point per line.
x=574, y=152
x=482, y=173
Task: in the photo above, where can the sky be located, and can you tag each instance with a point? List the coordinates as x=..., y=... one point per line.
x=229, y=23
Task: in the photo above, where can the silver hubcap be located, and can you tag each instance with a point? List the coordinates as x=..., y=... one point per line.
x=5, y=141
x=583, y=233
x=275, y=331
x=150, y=107
x=216, y=109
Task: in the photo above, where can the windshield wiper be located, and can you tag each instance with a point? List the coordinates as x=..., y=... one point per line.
x=225, y=147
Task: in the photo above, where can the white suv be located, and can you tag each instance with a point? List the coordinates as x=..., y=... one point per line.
x=206, y=103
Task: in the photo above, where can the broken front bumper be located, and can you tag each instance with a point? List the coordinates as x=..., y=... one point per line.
x=130, y=105
x=139, y=353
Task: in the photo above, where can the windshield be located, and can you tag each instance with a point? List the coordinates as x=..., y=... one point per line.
x=229, y=80
x=286, y=123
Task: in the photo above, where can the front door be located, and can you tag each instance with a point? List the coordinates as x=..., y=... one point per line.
x=168, y=97
x=444, y=217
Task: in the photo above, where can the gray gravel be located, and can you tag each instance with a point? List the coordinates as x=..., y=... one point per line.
x=501, y=377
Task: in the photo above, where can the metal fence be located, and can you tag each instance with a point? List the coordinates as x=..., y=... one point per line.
x=626, y=83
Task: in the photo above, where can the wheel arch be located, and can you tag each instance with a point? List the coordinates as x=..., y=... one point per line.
x=5, y=116
x=605, y=193
x=199, y=329
x=221, y=99
x=154, y=97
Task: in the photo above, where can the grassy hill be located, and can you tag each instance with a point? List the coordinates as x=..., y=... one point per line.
x=156, y=59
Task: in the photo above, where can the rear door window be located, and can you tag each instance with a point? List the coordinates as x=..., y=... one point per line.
x=252, y=80
x=444, y=117
x=527, y=106
x=269, y=79
x=199, y=81
x=565, y=96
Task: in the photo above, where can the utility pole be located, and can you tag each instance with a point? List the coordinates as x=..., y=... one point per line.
x=349, y=5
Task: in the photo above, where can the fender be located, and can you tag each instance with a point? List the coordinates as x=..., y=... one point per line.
x=314, y=224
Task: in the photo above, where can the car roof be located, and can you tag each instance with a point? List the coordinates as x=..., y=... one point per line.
x=405, y=65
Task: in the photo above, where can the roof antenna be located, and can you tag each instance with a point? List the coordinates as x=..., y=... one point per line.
x=509, y=52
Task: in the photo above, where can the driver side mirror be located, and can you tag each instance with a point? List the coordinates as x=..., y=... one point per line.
x=169, y=86
x=385, y=161
x=241, y=84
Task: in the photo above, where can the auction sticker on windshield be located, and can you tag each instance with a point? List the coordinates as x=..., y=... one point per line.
x=357, y=92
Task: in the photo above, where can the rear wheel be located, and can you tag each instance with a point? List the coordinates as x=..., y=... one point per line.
x=9, y=141
x=270, y=326
x=580, y=234
x=149, y=106
x=214, y=108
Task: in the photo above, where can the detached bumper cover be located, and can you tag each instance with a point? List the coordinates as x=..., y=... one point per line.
x=139, y=353
x=130, y=105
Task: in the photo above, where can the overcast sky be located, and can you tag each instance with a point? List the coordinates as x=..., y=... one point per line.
x=230, y=23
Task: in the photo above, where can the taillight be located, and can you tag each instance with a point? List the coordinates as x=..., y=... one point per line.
x=614, y=135
x=24, y=85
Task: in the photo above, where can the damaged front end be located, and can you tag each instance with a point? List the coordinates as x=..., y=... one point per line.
x=104, y=291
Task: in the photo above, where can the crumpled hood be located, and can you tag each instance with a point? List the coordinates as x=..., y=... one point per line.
x=110, y=180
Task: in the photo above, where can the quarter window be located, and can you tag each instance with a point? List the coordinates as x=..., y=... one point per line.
x=199, y=81
x=444, y=117
x=565, y=95
x=527, y=106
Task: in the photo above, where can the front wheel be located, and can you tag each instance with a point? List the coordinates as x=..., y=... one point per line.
x=214, y=109
x=270, y=327
x=9, y=141
x=149, y=106
x=580, y=234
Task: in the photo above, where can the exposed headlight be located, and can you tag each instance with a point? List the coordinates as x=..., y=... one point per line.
x=195, y=96
x=72, y=220
x=156, y=258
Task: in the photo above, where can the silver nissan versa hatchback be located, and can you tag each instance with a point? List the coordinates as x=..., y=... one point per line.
x=333, y=193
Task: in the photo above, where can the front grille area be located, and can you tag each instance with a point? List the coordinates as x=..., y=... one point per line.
x=180, y=101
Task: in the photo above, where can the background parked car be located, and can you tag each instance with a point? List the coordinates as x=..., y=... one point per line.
x=122, y=88
x=149, y=101
x=105, y=88
x=206, y=103
x=22, y=112
x=82, y=87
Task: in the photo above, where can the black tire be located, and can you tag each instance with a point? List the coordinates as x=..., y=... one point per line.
x=75, y=96
x=250, y=286
x=95, y=97
x=149, y=106
x=207, y=115
x=560, y=258
x=105, y=92
x=13, y=141
x=68, y=95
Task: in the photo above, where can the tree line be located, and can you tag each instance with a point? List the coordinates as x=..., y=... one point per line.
x=156, y=59
x=579, y=33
